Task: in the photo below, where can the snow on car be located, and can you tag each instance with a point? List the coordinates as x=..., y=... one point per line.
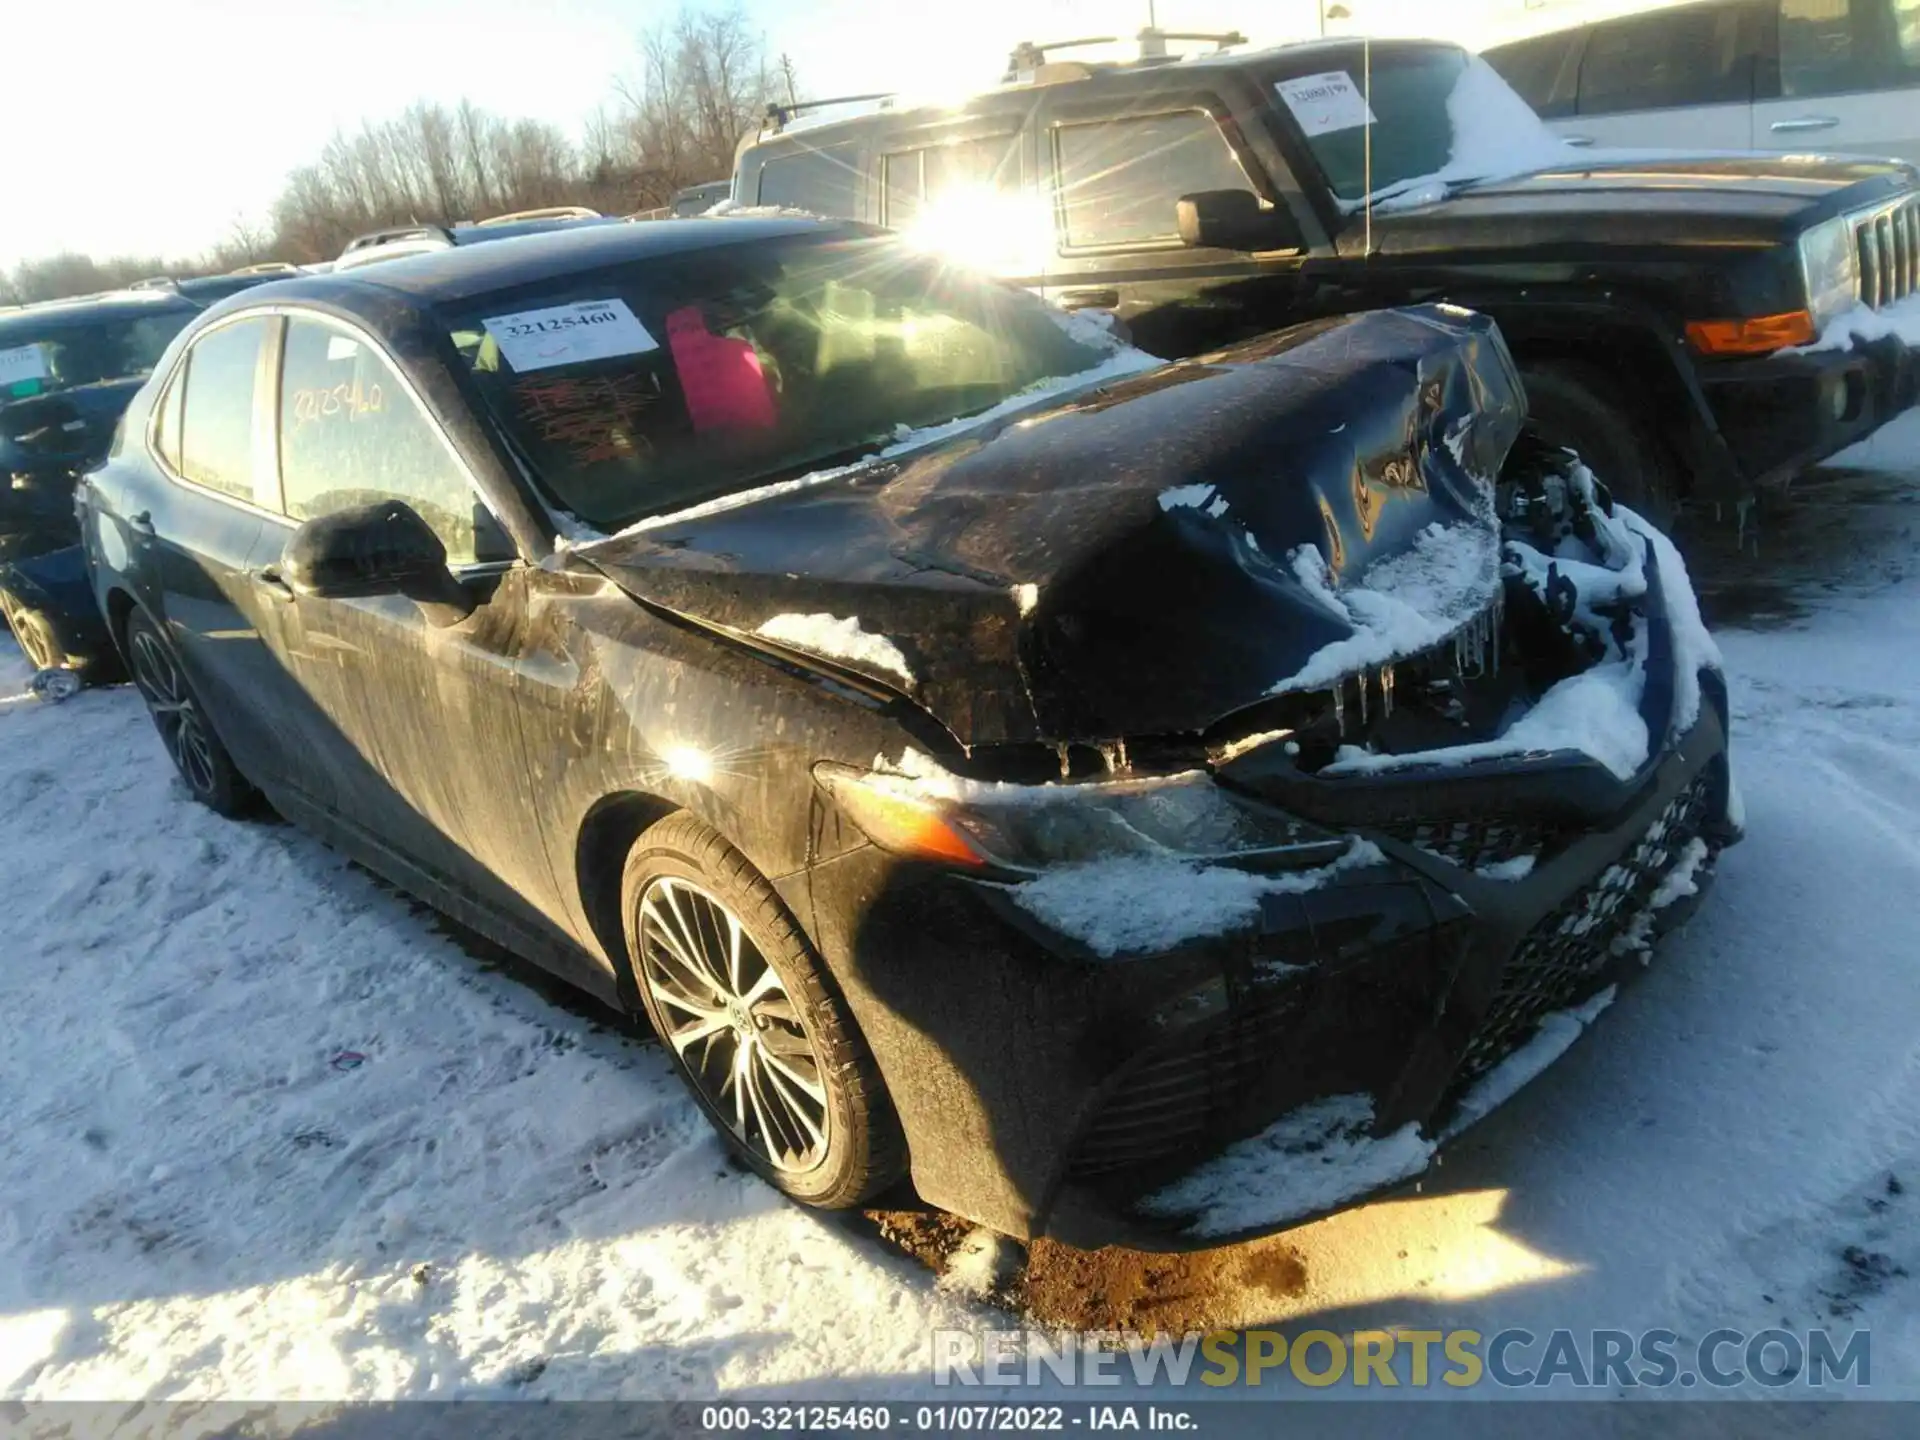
x=272, y=1134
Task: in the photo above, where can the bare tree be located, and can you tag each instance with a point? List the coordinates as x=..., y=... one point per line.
x=704, y=81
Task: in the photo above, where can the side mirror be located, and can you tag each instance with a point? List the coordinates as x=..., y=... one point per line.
x=1233, y=220
x=379, y=549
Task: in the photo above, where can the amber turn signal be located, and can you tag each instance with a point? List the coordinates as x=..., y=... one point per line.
x=900, y=823
x=1760, y=336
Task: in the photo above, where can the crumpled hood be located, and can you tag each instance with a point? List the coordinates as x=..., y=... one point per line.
x=65, y=427
x=1142, y=560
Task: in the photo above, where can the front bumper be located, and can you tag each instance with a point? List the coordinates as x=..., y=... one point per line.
x=1045, y=1091
x=1789, y=411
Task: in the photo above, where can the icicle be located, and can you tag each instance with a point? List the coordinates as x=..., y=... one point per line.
x=1066, y=766
x=1362, y=678
x=1340, y=706
x=1386, y=692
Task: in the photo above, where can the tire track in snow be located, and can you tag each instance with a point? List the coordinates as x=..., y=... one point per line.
x=484, y=1194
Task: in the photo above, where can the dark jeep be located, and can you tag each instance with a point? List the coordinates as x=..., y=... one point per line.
x=1657, y=306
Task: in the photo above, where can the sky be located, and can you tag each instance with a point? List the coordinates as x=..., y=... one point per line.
x=160, y=124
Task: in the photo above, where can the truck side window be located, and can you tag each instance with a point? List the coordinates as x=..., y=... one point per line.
x=1832, y=47
x=822, y=182
x=929, y=175
x=1688, y=56
x=1533, y=68
x=1119, y=179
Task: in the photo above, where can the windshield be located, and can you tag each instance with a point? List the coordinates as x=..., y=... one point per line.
x=646, y=388
x=1438, y=114
x=42, y=354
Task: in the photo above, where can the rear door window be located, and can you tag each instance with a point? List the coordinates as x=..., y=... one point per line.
x=352, y=434
x=1118, y=180
x=1692, y=55
x=821, y=182
x=1836, y=47
x=217, y=415
x=166, y=427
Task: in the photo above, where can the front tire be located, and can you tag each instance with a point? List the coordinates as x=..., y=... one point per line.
x=203, y=762
x=1574, y=407
x=752, y=1020
x=32, y=631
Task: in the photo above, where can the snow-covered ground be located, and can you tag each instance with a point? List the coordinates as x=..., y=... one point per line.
x=269, y=1133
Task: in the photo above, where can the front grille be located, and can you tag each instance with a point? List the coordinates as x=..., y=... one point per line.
x=1887, y=244
x=1326, y=1032
x=1557, y=962
x=1476, y=844
x=1169, y=1102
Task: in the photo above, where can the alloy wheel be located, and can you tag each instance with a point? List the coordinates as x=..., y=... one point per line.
x=36, y=641
x=181, y=725
x=731, y=1022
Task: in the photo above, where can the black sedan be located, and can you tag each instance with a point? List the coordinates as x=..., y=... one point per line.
x=1086, y=786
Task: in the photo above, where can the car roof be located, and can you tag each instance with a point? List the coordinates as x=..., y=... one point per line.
x=457, y=272
x=92, y=309
x=1299, y=57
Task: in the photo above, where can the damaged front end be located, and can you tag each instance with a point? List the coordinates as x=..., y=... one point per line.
x=1377, y=899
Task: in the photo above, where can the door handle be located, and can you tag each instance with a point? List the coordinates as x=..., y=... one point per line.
x=269, y=580
x=1805, y=122
x=1579, y=142
x=1090, y=300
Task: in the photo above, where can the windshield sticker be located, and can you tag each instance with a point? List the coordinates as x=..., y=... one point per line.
x=342, y=347
x=569, y=334
x=1326, y=103
x=21, y=364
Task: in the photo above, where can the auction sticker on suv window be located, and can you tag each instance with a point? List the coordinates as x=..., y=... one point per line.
x=569, y=334
x=23, y=362
x=1326, y=102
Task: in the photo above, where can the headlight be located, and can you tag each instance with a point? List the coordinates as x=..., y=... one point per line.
x=1029, y=828
x=1830, y=268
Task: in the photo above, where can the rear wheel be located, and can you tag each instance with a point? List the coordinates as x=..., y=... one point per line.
x=196, y=751
x=1574, y=407
x=752, y=1020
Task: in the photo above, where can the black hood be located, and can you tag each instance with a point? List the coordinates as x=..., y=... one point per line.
x=1651, y=202
x=1123, y=564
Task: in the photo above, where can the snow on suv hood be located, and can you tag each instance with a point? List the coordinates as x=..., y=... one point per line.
x=1142, y=559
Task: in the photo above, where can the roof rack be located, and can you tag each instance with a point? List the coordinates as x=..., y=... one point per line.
x=398, y=232
x=1027, y=59
x=550, y=212
x=778, y=115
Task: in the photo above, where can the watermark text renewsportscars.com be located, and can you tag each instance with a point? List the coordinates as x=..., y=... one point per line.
x=1410, y=1359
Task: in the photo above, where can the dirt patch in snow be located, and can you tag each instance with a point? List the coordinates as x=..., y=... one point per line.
x=1114, y=1289
x=1147, y=1294
x=1839, y=531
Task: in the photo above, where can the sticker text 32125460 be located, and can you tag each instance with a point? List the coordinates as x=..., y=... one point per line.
x=568, y=334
